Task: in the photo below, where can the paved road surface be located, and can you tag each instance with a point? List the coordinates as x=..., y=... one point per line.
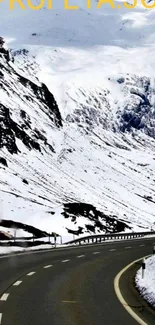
x=72, y=286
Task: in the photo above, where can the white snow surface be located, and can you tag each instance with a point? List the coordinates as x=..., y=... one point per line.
x=146, y=285
x=15, y=249
x=80, y=55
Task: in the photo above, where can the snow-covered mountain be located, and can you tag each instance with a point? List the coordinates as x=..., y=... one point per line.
x=77, y=118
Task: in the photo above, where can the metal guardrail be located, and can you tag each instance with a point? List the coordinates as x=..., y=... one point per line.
x=34, y=241
x=29, y=241
x=14, y=238
x=111, y=236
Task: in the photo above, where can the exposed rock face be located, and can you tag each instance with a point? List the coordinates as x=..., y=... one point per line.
x=4, y=52
x=1, y=41
x=3, y=161
x=10, y=130
x=139, y=113
x=133, y=112
x=95, y=220
x=28, y=94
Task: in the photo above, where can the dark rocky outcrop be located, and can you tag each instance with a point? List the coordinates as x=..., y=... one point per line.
x=25, y=181
x=10, y=130
x=139, y=113
x=99, y=220
x=45, y=96
x=4, y=52
x=31, y=94
x=3, y=161
x=19, y=225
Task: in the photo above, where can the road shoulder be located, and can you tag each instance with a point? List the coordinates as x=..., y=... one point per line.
x=129, y=296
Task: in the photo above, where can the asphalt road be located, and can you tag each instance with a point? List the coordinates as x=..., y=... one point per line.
x=72, y=286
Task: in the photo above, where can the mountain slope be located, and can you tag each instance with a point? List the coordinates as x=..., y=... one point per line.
x=77, y=120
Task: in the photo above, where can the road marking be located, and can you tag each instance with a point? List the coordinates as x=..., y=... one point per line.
x=127, y=247
x=112, y=250
x=4, y=296
x=64, y=261
x=1, y=318
x=80, y=256
x=119, y=295
x=31, y=273
x=17, y=283
x=142, y=245
x=47, y=266
x=70, y=301
x=96, y=253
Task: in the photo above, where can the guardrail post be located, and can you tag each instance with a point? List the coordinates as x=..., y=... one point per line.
x=143, y=267
x=55, y=240
x=14, y=235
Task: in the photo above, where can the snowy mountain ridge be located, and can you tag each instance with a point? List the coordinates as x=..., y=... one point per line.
x=77, y=121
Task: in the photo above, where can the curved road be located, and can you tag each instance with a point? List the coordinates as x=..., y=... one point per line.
x=67, y=286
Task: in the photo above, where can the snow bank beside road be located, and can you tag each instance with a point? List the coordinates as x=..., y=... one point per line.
x=146, y=286
x=15, y=249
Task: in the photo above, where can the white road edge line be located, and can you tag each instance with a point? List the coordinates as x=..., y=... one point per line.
x=17, y=283
x=31, y=273
x=64, y=261
x=1, y=318
x=47, y=266
x=4, y=297
x=80, y=256
x=96, y=253
x=119, y=295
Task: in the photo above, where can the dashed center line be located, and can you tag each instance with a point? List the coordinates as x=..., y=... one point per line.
x=112, y=250
x=128, y=247
x=141, y=245
x=65, y=261
x=0, y=318
x=80, y=256
x=4, y=296
x=96, y=253
x=17, y=283
x=47, y=266
x=31, y=273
